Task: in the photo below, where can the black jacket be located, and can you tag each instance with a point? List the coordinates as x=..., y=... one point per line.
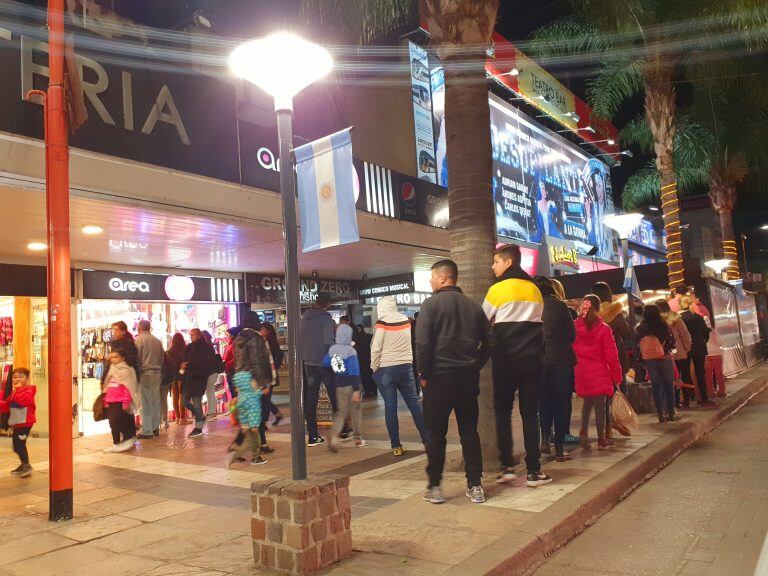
x=452, y=332
x=252, y=355
x=699, y=332
x=559, y=332
x=201, y=360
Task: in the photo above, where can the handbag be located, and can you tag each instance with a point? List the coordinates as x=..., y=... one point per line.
x=17, y=416
x=99, y=411
x=623, y=413
x=651, y=348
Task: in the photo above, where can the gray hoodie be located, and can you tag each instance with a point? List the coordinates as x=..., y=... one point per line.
x=318, y=334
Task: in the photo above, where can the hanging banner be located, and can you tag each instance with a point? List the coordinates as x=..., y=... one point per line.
x=422, y=113
x=325, y=177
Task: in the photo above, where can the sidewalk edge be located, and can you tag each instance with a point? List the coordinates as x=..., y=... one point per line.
x=536, y=540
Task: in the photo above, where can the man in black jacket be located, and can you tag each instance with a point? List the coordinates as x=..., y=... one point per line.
x=451, y=348
x=699, y=337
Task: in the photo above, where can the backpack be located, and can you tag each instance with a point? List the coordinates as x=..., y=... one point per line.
x=651, y=348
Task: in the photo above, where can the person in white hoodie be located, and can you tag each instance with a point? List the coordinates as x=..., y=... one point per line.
x=392, y=367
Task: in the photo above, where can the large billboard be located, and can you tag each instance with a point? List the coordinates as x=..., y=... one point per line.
x=545, y=186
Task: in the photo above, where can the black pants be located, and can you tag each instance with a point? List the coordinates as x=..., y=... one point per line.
x=20, y=435
x=121, y=423
x=523, y=377
x=698, y=359
x=457, y=392
x=555, y=404
x=684, y=367
x=314, y=376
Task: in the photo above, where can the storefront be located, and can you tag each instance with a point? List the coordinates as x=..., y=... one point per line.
x=409, y=290
x=170, y=303
x=24, y=332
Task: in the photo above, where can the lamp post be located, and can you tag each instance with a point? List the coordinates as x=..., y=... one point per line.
x=623, y=224
x=282, y=65
x=719, y=265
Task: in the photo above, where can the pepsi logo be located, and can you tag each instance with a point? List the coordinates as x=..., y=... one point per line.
x=408, y=192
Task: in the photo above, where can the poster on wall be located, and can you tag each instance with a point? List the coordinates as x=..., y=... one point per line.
x=422, y=113
x=544, y=186
x=438, y=123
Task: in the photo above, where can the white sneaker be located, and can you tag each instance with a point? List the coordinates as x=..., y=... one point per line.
x=126, y=445
x=111, y=449
x=476, y=494
x=506, y=475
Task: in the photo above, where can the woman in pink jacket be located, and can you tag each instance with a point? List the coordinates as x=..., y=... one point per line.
x=597, y=370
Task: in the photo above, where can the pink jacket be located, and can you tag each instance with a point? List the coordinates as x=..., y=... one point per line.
x=597, y=367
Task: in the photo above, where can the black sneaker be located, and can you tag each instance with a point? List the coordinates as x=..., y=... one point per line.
x=17, y=470
x=346, y=435
x=25, y=471
x=316, y=441
x=258, y=461
x=156, y=432
x=194, y=434
x=277, y=420
x=537, y=479
x=266, y=449
x=145, y=436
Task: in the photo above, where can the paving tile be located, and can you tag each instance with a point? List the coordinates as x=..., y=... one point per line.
x=62, y=561
x=160, y=510
x=184, y=544
x=97, y=528
x=136, y=538
x=223, y=557
x=182, y=570
x=30, y=545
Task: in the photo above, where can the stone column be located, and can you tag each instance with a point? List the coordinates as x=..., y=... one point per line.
x=300, y=527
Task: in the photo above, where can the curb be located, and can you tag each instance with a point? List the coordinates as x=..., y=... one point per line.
x=533, y=542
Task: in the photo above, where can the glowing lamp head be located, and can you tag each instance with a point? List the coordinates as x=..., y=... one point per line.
x=37, y=246
x=623, y=223
x=281, y=64
x=718, y=265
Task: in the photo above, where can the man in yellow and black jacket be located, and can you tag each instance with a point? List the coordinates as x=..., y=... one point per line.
x=514, y=305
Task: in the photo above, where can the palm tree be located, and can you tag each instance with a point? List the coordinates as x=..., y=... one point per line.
x=719, y=144
x=461, y=32
x=643, y=47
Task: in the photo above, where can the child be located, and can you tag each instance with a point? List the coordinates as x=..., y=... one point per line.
x=21, y=405
x=598, y=370
x=121, y=394
x=248, y=416
x=342, y=359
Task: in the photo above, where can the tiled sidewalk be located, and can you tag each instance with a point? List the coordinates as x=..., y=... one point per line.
x=171, y=507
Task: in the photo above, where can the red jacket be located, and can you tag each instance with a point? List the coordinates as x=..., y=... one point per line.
x=597, y=367
x=229, y=356
x=21, y=397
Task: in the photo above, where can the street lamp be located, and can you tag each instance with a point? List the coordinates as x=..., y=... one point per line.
x=718, y=265
x=282, y=65
x=623, y=224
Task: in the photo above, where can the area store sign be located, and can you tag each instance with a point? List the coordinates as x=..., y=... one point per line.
x=106, y=285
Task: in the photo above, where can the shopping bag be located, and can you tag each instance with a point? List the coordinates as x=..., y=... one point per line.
x=99, y=411
x=623, y=413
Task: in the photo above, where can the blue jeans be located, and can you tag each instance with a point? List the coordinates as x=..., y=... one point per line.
x=662, y=375
x=195, y=405
x=389, y=380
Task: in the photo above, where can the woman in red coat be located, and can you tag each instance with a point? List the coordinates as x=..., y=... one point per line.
x=598, y=369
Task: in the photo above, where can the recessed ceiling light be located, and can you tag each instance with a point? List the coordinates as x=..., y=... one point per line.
x=92, y=229
x=37, y=246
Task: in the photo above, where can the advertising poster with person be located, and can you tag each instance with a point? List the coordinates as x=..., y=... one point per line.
x=545, y=186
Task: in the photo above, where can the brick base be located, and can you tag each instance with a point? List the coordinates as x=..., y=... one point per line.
x=300, y=527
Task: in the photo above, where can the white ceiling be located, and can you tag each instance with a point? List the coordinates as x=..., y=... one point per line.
x=139, y=236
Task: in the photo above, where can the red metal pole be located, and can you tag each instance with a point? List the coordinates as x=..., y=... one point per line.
x=59, y=280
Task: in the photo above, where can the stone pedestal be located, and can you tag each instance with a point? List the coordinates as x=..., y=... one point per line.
x=300, y=527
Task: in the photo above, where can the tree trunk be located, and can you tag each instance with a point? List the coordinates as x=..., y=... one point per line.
x=472, y=217
x=729, y=244
x=660, y=113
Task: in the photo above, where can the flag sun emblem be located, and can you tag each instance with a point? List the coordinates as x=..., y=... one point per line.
x=326, y=192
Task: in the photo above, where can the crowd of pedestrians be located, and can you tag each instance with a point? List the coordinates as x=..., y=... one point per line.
x=540, y=350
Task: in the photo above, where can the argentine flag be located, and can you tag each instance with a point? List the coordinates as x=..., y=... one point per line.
x=325, y=182
x=631, y=285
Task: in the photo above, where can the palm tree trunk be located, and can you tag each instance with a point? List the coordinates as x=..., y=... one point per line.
x=660, y=113
x=473, y=221
x=729, y=244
